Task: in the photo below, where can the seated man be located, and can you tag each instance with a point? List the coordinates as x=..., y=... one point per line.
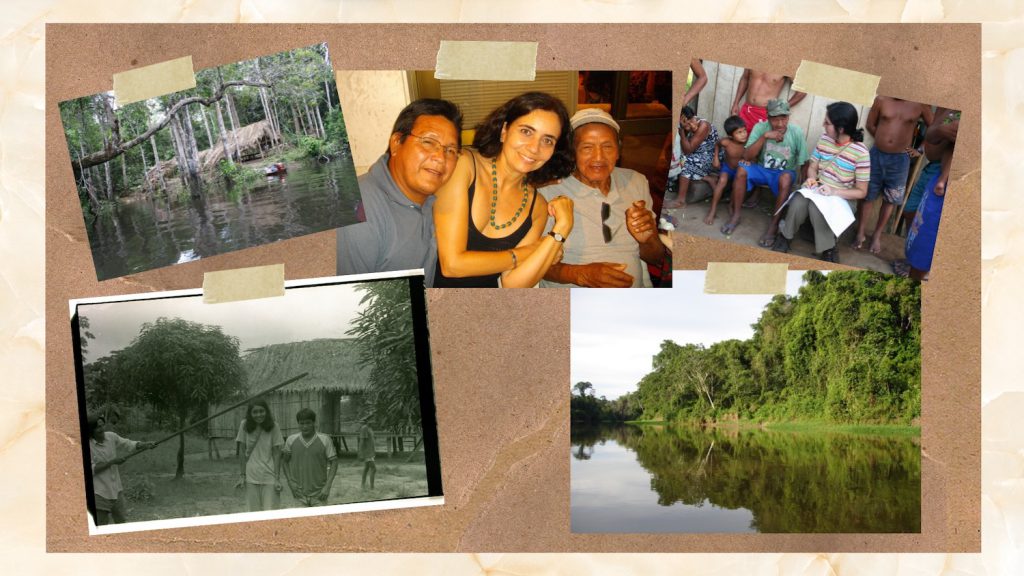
x=614, y=236
x=776, y=151
x=397, y=193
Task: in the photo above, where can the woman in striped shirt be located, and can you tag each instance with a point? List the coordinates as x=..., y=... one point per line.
x=839, y=166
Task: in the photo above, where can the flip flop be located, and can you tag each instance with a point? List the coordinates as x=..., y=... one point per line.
x=766, y=241
x=875, y=252
x=728, y=228
x=901, y=268
x=858, y=245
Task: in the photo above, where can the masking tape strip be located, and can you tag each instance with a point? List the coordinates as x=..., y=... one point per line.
x=154, y=80
x=836, y=83
x=243, y=284
x=744, y=278
x=474, y=60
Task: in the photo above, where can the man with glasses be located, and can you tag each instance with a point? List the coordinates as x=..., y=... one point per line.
x=398, y=193
x=614, y=236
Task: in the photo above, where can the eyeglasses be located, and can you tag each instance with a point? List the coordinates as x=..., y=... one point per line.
x=432, y=146
x=606, y=231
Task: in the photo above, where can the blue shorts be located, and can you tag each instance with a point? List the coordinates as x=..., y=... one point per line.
x=889, y=172
x=758, y=175
x=917, y=191
x=925, y=228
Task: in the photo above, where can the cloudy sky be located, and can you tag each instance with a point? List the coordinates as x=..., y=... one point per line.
x=615, y=333
x=303, y=313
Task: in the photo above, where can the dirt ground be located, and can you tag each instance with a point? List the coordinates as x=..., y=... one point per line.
x=689, y=219
x=152, y=493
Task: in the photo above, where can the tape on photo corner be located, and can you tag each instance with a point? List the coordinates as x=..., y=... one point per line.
x=154, y=80
x=477, y=60
x=243, y=284
x=836, y=83
x=744, y=278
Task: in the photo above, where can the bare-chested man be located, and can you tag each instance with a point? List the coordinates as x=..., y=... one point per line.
x=892, y=122
x=759, y=87
x=939, y=143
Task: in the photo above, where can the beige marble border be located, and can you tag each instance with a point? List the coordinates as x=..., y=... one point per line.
x=21, y=281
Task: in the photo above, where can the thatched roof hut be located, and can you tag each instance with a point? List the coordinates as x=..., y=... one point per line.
x=334, y=388
x=251, y=138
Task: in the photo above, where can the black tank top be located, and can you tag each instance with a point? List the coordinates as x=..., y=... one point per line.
x=476, y=241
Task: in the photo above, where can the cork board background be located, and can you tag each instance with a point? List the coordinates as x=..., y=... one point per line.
x=501, y=358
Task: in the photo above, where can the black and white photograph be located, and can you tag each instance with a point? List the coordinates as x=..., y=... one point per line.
x=257, y=152
x=319, y=401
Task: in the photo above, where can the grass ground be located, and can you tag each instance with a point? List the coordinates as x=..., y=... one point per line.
x=208, y=487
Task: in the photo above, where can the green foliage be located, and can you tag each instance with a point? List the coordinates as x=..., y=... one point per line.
x=237, y=173
x=585, y=407
x=179, y=368
x=846, y=349
x=384, y=330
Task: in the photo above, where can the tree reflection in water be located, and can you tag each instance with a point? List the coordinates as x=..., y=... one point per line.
x=791, y=482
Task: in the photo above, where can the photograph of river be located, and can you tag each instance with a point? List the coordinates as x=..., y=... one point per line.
x=792, y=413
x=257, y=152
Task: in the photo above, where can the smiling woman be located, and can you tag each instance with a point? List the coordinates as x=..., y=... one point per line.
x=491, y=228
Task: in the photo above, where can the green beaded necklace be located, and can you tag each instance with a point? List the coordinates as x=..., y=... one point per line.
x=494, y=199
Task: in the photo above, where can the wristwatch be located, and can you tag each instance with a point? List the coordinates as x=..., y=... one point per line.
x=558, y=237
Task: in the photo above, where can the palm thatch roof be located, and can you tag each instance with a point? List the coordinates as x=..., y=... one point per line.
x=248, y=136
x=332, y=364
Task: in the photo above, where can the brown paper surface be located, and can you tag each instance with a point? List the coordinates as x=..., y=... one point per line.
x=501, y=358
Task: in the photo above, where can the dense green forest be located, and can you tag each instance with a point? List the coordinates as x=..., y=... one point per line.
x=845, y=349
x=276, y=107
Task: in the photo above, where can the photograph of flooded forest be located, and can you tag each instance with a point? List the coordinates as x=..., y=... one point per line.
x=257, y=152
x=796, y=412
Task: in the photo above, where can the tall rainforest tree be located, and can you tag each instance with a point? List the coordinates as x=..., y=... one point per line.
x=384, y=331
x=179, y=368
x=847, y=348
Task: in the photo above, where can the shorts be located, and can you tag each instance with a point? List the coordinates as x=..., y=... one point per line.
x=752, y=115
x=262, y=497
x=889, y=172
x=758, y=175
x=914, y=199
x=114, y=508
x=925, y=229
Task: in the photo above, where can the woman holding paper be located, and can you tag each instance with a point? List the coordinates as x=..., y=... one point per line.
x=840, y=166
x=489, y=219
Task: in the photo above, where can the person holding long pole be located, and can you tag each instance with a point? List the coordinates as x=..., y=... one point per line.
x=106, y=478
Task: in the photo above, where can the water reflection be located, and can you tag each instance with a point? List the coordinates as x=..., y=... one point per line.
x=669, y=479
x=145, y=233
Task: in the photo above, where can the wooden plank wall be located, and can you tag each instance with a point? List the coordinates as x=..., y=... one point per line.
x=715, y=102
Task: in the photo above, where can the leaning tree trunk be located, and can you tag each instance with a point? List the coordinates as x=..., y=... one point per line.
x=145, y=171
x=156, y=164
x=209, y=136
x=223, y=135
x=179, y=149
x=234, y=125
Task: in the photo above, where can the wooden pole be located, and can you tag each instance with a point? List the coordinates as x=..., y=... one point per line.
x=224, y=411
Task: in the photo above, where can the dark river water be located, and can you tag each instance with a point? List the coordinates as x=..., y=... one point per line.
x=669, y=479
x=142, y=234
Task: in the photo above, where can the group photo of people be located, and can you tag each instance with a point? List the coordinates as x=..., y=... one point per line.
x=311, y=399
x=517, y=184
x=755, y=162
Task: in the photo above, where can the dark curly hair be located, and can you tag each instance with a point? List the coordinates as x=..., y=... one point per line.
x=488, y=134
x=268, y=422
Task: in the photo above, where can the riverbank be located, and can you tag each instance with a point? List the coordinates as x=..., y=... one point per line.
x=898, y=430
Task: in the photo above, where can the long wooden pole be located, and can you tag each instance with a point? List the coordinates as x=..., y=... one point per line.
x=224, y=411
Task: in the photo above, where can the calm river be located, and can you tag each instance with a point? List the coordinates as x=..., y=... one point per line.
x=150, y=233
x=683, y=479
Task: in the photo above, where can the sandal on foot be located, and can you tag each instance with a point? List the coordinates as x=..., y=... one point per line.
x=901, y=268
x=858, y=245
x=767, y=241
x=728, y=228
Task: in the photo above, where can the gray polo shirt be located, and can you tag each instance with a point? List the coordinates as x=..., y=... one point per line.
x=398, y=233
x=585, y=243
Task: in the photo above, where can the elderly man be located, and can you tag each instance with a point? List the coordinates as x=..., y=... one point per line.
x=397, y=193
x=776, y=151
x=615, y=232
